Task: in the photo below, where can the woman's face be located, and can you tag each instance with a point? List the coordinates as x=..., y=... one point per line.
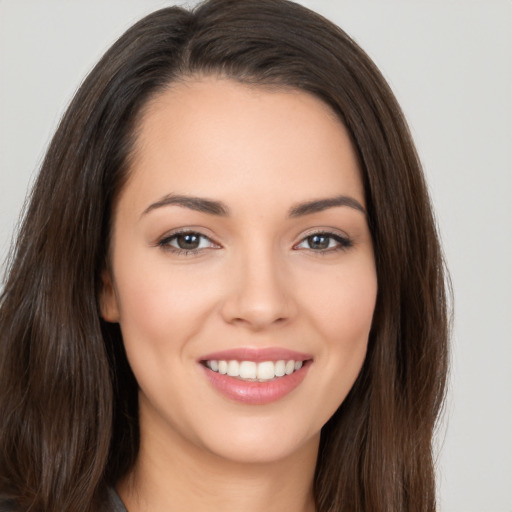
x=241, y=251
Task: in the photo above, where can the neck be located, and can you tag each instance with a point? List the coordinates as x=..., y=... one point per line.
x=175, y=476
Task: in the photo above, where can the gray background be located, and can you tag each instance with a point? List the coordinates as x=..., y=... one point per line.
x=450, y=65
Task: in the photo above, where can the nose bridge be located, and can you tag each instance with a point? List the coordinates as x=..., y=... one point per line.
x=258, y=295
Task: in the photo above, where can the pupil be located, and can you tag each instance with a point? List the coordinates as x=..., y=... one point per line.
x=188, y=241
x=318, y=242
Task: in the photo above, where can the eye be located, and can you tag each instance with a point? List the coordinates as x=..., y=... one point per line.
x=186, y=242
x=324, y=242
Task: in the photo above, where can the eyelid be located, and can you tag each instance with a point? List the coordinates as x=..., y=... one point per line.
x=324, y=231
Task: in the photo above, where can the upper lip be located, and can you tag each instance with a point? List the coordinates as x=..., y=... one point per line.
x=256, y=355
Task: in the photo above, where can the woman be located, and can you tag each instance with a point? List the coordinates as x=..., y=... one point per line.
x=227, y=290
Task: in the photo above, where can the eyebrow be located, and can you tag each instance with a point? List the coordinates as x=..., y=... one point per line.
x=193, y=203
x=319, y=205
x=218, y=208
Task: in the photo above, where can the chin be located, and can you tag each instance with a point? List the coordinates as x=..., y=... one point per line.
x=258, y=439
x=262, y=448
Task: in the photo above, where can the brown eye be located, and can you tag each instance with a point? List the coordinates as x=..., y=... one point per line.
x=318, y=241
x=186, y=242
x=324, y=242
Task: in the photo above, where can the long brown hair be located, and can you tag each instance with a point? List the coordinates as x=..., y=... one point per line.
x=68, y=399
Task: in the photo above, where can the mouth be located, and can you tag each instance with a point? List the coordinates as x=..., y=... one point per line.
x=252, y=371
x=255, y=377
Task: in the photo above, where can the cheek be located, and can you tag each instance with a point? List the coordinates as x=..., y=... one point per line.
x=341, y=308
x=342, y=304
x=160, y=304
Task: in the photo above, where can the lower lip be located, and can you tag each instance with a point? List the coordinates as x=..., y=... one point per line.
x=256, y=393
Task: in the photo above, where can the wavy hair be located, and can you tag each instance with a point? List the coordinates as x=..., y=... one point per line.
x=68, y=426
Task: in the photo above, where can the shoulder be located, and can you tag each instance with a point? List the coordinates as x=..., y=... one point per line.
x=114, y=502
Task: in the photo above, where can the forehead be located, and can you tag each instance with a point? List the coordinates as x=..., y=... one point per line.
x=219, y=138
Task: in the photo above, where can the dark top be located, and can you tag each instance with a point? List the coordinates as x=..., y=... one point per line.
x=115, y=503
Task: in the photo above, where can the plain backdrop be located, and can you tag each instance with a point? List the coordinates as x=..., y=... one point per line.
x=450, y=65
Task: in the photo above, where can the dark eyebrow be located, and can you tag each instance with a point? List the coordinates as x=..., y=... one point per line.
x=218, y=208
x=193, y=203
x=323, y=204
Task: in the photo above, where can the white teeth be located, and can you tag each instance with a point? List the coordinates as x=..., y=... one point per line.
x=233, y=369
x=250, y=370
x=266, y=370
x=223, y=367
x=247, y=370
x=280, y=368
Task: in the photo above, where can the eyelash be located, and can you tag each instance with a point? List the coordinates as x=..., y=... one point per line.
x=164, y=243
x=343, y=243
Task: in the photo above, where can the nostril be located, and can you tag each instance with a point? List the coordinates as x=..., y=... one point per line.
x=257, y=301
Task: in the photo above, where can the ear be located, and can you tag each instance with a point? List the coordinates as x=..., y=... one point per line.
x=109, y=308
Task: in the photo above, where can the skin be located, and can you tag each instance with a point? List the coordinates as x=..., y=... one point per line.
x=256, y=281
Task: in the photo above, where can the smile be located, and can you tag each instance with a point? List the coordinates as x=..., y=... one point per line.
x=252, y=371
x=254, y=376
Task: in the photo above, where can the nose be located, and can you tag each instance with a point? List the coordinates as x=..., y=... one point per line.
x=258, y=295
